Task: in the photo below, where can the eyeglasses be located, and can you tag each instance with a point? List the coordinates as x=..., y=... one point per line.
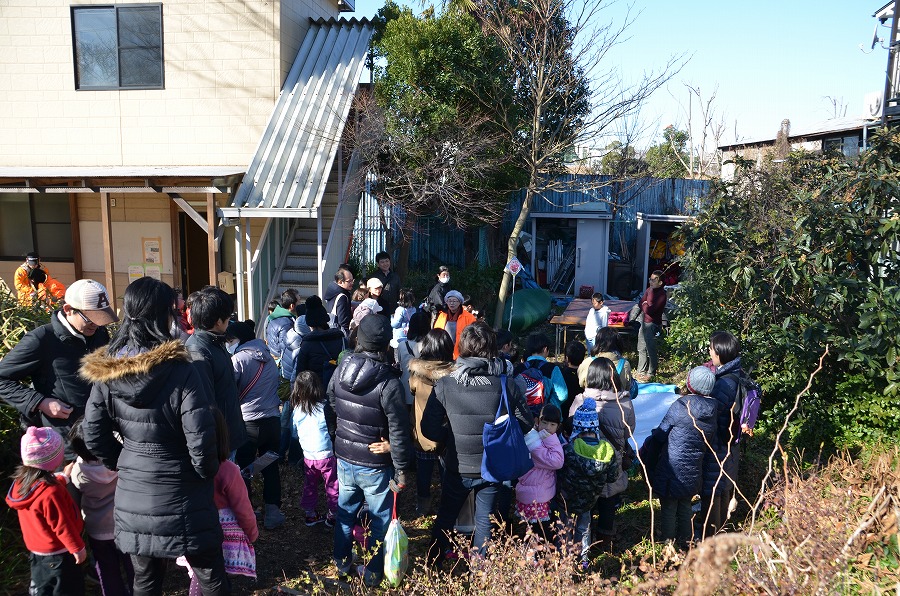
x=85, y=318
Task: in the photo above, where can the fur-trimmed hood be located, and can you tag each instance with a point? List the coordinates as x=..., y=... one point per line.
x=430, y=369
x=135, y=379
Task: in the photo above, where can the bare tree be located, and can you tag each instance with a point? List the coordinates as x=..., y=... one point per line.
x=837, y=106
x=449, y=173
x=566, y=92
x=705, y=127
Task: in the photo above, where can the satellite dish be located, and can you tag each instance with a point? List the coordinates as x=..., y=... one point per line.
x=875, y=39
x=873, y=104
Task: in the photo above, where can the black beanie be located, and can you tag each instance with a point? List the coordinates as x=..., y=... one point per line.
x=374, y=333
x=316, y=315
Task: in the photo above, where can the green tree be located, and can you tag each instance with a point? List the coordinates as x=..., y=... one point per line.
x=666, y=159
x=425, y=136
x=795, y=257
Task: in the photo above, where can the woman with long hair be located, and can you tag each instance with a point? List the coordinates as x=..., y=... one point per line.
x=146, y=390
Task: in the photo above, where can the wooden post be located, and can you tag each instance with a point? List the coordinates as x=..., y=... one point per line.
x=211, y=237
x=106, y=232
x=177, y=281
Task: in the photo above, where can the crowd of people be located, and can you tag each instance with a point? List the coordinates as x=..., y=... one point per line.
x=151, y=429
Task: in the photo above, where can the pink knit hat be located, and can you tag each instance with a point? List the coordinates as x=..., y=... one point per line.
x=42, y=448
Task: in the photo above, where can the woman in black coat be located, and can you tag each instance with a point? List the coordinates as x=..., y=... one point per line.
x=145, y=387
x=455, y=415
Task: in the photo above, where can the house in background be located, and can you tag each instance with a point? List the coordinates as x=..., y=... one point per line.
x=848, y=136
x=196, y=141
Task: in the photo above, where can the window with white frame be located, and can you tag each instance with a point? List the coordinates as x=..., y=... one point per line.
x=118, y=46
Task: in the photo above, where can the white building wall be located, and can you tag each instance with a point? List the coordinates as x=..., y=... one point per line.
x=224, y=63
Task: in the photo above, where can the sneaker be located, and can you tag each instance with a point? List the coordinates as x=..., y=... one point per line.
x=273, y=517
x=329, y=519
x=312, y=519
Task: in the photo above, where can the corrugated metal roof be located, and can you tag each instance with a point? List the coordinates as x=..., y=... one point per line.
x=291, y=165
x=832, y=125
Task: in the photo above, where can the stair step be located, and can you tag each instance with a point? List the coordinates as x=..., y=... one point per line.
x=302, y=261
x=310, y=235
x=305, y=290
x=293, y=275
x=300, y=248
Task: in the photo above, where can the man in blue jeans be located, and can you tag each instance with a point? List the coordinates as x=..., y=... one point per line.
x=369, y=404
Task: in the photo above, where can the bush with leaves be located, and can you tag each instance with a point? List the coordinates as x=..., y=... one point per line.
x=796, y=256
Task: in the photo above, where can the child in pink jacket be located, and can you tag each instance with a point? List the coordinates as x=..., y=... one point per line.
x=537, y=487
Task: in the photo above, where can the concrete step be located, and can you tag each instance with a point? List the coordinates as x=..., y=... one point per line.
x=303, y=248
x=310, y=235
x=306, y=290
x=302, y=262
x=293, y=275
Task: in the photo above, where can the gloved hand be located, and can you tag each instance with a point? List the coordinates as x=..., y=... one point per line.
x=399, y=481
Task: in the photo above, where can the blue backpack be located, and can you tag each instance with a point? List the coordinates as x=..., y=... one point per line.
x=506, y=456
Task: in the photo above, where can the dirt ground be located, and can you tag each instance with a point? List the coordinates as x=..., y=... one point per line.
x=294, y=550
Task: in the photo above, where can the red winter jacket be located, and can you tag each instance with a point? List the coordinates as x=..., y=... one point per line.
x=51, y=522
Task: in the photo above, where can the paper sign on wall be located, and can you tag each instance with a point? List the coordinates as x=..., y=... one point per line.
x=152, y=250
x=153, y=271
x=135, y=271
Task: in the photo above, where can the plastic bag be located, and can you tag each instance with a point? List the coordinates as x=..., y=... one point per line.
x=396, y=550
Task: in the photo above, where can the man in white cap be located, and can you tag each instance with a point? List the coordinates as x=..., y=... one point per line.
x=50, y=357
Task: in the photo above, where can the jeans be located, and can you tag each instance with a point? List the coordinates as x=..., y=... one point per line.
x=55, y=575
x=326, y=469
x=583, y=533
x=675, y=519
x=455, y=492
x=648, y=359
x=355, y=485
x=263, y=435
x=109, y=563
x=208, y=567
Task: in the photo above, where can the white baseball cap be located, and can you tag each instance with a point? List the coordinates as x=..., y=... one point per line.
x=371, y=304
x=91, y=298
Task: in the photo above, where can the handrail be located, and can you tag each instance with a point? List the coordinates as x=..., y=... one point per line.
x=270, y=255
x=342, y=225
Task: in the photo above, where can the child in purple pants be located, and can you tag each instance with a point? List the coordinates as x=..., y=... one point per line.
x=308, y=401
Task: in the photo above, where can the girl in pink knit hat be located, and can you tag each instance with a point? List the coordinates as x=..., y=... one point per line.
x=51, y=522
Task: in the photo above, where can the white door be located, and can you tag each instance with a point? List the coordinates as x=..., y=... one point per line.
x=591, y=254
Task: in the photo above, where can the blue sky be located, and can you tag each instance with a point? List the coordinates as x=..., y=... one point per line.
x=770, y=60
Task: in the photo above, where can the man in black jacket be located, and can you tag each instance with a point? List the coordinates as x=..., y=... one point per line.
x=337, y=299
x=210, y=313
x=455, y=415
x=369, y=402
x=50, y=357
x=390, y=293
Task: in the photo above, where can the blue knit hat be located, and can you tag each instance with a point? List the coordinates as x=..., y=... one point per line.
x=586, y=419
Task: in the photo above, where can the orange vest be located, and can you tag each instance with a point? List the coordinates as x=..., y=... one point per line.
x=464, y=319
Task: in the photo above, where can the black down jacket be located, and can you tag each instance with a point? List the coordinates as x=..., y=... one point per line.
x=167, y=459
x=213, y=361
x=370, y=404
x=50, y=357
x=467, y=408
x=679, y=472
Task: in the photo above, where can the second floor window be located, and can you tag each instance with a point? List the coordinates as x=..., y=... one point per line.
x=118, y=47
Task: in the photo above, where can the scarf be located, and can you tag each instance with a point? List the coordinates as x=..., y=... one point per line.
x=476, y=371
